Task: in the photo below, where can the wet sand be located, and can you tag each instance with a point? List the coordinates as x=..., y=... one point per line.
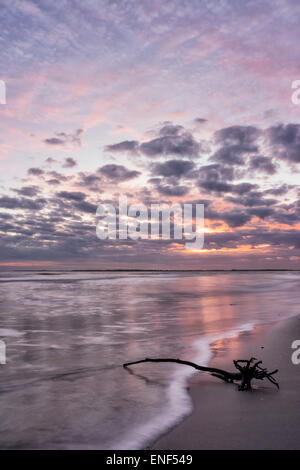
x=264, y=418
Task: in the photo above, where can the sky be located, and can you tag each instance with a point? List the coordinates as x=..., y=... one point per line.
x=163, y=102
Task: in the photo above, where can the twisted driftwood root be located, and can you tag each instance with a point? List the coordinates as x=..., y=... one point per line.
x=247, y=370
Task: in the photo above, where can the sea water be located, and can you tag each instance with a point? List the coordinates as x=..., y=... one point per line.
x=67, y=335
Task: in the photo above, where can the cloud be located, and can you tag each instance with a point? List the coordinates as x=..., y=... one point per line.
x=169, y=129
x=35, y=171
x=242, y=188
x=85, y=206
x=236, y=142
x=216, y=172
x=285, y=140
x=169, y=187
x=279, y=190
x=199, y=120
x=69, y=163
x=232, y=155
x=89, y=180
x=61, y=138
x=251, y=199
x=5, y=215
x=59, y=176
x=215, y=186
x=28, y=191
x=22, y=203
x=130, y=146
x=234, y=218
x=53, y=182
x=72, y=196
x=175, y=168
x=50, y=161
x=263, y=164
x=217, y=178
x=261, y=212
x=118, y=172
x=171, y=140
x=69, y=207
x=167, y=190
x=243, y=136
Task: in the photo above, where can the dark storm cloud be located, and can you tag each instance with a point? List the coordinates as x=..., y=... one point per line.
x=69, y=163
x=263, y=164
x=285, y=140
x=61, y=138
x=118, y=172
x=175, y=168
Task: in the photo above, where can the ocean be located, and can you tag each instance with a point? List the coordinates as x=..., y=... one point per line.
x=67, y=335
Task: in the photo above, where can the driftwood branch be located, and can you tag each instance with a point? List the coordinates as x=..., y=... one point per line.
x=247, y=370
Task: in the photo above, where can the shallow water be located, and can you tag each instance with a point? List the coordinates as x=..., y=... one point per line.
x=67, y=335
